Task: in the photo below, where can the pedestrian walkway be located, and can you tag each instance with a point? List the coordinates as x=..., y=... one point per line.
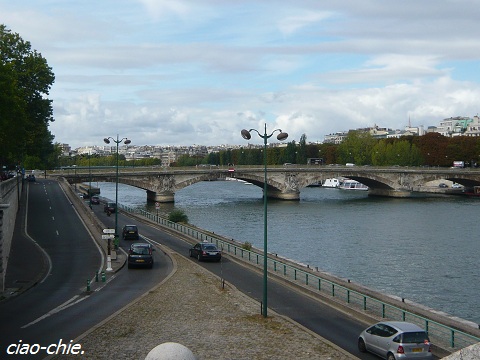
x=23, y=272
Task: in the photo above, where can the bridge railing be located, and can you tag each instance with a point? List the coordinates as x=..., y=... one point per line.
x=446, y=337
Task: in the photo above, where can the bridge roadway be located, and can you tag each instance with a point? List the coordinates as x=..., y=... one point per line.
x=283, y=182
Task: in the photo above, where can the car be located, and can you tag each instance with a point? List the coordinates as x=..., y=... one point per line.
x=394, y=340
x=205, y=251
x=109, y=206
x=443, y=185
x=457, y=186
x=94, y=200
x=130, y=232
x=140, y=255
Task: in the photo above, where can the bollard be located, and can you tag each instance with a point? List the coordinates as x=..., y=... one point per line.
x=96, y=276
x=88, y=285
x=103, y=276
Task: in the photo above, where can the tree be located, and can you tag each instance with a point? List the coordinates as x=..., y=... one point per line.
x=25, y=110
x=357, y=148
x=301, y=157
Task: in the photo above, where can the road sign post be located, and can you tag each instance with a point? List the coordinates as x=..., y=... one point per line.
x=109, y=235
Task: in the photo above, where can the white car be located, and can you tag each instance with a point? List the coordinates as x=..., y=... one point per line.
x=394, y=340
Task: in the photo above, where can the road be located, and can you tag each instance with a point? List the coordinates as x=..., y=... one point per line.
x=59, y=307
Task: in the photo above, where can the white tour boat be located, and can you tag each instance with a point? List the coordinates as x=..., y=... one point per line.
x=348, y=184
x=331, y=183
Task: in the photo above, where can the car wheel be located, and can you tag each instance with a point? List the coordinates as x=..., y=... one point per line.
x=390, y=356
x=199, y=257
x=361, y=346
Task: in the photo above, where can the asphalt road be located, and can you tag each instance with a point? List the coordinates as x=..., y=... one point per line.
x=59, y=307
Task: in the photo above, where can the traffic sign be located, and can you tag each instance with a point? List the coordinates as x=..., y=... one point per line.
x=157, y=205
x=109, y=231
x=108, y=236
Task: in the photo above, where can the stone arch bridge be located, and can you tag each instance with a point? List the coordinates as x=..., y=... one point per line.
x=283, y=182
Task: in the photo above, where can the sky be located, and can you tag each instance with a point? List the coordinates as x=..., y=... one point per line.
x=197, y=72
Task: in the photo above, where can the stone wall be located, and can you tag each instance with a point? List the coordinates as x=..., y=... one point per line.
x=10, y=191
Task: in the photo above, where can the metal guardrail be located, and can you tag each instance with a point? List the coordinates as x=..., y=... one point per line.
x=441, y=335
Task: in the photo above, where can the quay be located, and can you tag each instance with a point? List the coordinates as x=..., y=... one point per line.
x=449, y=334
x=230, y=326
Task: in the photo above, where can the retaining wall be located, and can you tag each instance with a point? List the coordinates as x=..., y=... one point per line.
x=10, y=192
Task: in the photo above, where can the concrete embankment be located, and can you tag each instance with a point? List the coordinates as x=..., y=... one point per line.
x=10, y=191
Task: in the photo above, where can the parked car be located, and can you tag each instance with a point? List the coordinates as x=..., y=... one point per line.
x=140, y=255
x=95, y=200
x=394, y=340
x=130, y=232
x=205, y=251
x=443, y=185
x=109, y=206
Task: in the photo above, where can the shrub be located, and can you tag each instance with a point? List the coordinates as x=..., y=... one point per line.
x=178, y=216
x=247, y=246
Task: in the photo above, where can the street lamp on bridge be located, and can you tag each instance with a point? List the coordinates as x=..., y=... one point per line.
x=246, y=134
x=117, y=141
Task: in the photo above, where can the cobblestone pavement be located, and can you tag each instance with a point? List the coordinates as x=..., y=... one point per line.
x=192, y=308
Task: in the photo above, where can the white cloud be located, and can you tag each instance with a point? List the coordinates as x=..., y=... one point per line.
x=197, y=72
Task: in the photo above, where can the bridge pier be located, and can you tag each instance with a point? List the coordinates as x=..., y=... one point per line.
x=389, y=193
x=163, y=197
x=286, y=195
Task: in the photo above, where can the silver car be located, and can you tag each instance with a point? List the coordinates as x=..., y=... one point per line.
x=394, y=340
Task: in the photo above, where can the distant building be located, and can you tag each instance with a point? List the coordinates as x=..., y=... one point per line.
x=454, y=126
x=473, y=128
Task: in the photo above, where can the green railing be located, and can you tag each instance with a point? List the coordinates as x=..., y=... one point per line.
x=441, y=335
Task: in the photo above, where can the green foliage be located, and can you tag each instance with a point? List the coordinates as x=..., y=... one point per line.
x=178, y=216
x=25, y=110
x=247, y=246
x=356, y=148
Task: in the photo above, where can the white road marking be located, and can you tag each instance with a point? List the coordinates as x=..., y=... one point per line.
x=59, y=308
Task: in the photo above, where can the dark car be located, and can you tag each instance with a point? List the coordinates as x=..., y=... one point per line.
x=205, y=251
x=95, y=200
x=140, y=255
x=130, y=232
x=394, y=340
x=109, y=207
x=443, y=185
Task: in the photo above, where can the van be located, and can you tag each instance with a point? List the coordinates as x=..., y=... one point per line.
x=349, y=164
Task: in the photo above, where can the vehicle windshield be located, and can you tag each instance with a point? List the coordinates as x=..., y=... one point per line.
x=130, y=228
x=210, y=247
x=415, y=337
x=141, y=250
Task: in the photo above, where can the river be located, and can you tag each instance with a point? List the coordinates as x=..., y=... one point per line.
x=422, y=249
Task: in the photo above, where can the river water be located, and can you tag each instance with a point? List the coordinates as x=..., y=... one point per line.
x=426, y=250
